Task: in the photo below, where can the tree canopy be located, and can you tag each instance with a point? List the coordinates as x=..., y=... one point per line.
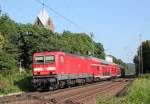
x=145, y=58
x=19, y=41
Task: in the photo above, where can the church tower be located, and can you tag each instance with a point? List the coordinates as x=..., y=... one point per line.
x=44, y=20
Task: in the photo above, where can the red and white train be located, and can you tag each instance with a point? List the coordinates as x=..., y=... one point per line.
x=54, y=70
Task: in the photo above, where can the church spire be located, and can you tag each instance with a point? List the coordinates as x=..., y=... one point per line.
x=43, y=19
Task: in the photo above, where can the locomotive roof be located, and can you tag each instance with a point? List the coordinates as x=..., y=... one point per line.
x=104, y=62
x=101, y=60
x=81, y=56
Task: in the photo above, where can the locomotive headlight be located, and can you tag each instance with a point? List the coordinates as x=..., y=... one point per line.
x=37, y=69
x=51, y=68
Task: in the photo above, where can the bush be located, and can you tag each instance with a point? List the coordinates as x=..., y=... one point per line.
x=15, y=82
x=7, y=61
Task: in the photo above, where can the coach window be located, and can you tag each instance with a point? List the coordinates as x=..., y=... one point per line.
x=39, y=60
x=49, y=59
x=62, y=59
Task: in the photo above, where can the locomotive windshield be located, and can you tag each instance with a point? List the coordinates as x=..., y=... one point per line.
x=39, y=60
x=49, y=59
x=44, y=59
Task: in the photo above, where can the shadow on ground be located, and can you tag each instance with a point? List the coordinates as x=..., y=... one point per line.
x=25, y=84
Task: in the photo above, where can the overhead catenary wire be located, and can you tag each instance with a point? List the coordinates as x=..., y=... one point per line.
x=63, y=17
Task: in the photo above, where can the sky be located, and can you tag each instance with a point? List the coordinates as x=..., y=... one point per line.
x=117, y=24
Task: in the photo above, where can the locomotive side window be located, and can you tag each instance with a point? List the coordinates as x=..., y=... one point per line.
x=39, y=60
x=49, y=59
x=62, y=59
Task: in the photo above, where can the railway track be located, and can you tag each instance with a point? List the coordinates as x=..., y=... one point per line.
x=74, y=95
x=83, y=96
x=37, y=94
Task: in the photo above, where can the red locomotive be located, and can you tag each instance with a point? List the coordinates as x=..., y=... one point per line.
x=54, y=70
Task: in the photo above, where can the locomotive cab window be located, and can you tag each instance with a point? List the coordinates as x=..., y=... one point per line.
x=39, y=60
x=49, y=59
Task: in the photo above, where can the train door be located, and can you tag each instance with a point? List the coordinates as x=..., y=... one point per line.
x=62, y=66
x=100, y=71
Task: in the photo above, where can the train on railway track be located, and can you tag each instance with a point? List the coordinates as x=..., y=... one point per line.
x=53, y=70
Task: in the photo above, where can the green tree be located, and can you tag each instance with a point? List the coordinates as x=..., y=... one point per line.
x=7, y=62
x=145, y=62
x=20, y=41
x=1, y=41
x=9, y=36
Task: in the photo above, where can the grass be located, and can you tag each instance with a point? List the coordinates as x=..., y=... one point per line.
x=15, y=82
x=137, y=93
